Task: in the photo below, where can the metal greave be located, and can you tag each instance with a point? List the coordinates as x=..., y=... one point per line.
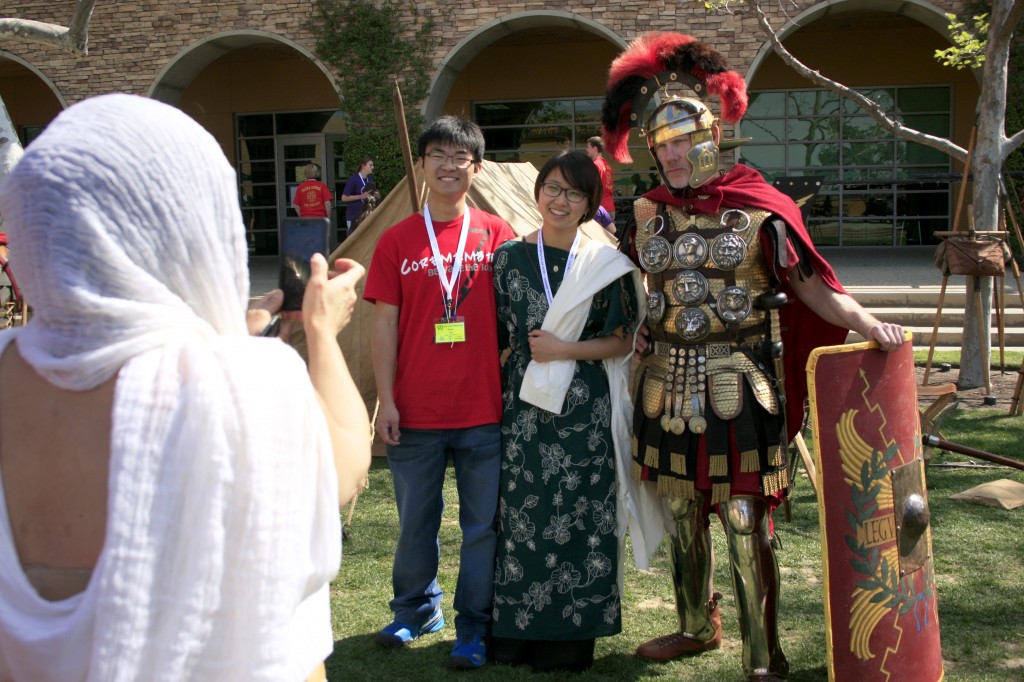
x=755, y=578
x=691, y=563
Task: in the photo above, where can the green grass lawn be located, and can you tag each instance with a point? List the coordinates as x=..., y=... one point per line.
x=979, y=569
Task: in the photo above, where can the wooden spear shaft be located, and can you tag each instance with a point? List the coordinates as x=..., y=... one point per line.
x=937, y=442
x=403, y=134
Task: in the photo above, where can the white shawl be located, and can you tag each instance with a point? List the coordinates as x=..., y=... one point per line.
x=222, y=530
x=545, y=384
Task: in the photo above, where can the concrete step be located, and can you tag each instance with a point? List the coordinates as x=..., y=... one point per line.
x=949, y=338
x=951, y=317
x=927, y=296
x=914, y=307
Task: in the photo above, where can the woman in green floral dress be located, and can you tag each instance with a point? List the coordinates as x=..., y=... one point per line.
x=556, y=586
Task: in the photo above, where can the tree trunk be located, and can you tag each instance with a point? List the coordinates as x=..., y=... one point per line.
x=986, y=167
x=10, y=147
x=976, y=348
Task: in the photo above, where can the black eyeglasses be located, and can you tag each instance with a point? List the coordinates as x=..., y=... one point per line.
x=458, y=160
x=553, y=190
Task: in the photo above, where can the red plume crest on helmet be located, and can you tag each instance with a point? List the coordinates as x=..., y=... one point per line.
x=655, y=53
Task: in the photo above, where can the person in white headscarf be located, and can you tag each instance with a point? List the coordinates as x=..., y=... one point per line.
x=169, y=485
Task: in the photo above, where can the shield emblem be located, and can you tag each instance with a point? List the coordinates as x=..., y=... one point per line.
x=881, y=613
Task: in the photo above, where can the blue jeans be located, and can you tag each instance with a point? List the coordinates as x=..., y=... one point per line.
x=418, y=468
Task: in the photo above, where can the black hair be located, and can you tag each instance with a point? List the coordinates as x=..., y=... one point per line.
x=455, y=131
x=597, y=143
x=580, y=172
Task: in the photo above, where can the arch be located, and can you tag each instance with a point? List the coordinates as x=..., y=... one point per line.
x=477, y=41
x=180, y=71
x=920, y=11
x=38, y=74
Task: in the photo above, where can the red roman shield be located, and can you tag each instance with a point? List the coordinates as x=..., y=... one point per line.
x=880, y=606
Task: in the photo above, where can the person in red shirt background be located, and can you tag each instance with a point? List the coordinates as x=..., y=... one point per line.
x=312, y=198
x=595, y=150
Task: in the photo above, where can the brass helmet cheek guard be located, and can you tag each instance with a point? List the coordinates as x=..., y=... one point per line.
x=685, y=116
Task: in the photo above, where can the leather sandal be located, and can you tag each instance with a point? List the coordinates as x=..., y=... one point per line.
x=676, y=644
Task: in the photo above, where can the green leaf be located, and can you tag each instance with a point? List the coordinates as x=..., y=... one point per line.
x=861, y=567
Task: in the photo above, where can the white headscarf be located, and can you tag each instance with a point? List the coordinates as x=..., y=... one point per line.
x=222, y=530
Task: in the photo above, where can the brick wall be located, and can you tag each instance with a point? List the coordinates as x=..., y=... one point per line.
x=130, y=43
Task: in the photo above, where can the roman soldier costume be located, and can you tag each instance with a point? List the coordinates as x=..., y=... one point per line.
x=715, y=394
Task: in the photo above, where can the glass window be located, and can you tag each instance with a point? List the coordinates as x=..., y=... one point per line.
x=766, y=104
x=915, y=153
x=812, y=155
x=254, y=125
x=933, y=124
x=522, y=113
x=299, y=122
x=588, y=110
x=866, y=197
x=863, y=128
x=773, y=129
x=261, y=171
x=812, y=103
x=764, y=157
x=868, y=153
x=924, y=99
x=535, y=130
x=256, y=149
x=801, y=129
x=883, y=97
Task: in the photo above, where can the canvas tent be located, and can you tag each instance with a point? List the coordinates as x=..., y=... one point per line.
x=504, y=189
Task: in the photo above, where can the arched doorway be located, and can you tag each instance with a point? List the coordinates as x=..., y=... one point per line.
x=32, y=100
x=877, y=190
x=273, y=107
x=534, y=82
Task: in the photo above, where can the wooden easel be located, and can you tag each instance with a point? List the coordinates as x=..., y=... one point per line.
x=1016, y=407
x=971, y=233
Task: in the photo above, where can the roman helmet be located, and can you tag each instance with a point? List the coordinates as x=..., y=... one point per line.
x=650, y=66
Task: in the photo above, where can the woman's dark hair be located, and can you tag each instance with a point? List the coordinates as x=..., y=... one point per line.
x=455, y=131
x=365, y=160
x=580, y=172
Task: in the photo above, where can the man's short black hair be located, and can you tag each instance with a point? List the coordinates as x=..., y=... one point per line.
x=455, y=131
x=597, y=143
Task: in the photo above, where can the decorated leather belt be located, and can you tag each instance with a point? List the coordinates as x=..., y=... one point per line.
x=686, y=384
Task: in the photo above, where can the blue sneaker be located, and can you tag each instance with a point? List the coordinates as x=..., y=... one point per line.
x=468, y=652
x=399, y=634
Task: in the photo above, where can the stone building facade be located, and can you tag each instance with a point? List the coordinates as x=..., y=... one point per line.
x=239, y=66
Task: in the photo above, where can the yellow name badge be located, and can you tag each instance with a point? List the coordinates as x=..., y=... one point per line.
x=450, y=331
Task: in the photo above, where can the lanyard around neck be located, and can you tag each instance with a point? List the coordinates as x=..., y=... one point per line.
x=447, y=283
x=543, y=262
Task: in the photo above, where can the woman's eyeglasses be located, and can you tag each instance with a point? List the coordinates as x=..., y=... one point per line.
x=553, y=190
x=458, y=160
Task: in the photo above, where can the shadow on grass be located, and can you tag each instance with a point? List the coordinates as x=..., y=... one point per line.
x=360, y=658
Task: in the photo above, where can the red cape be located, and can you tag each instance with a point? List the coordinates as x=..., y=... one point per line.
x=742, y=187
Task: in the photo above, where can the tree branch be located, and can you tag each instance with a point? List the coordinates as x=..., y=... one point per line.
x=33, y=31
x=1007, y=16
x=1013, y=143
x=870, y=107
x=78, y=33
x=74, y=39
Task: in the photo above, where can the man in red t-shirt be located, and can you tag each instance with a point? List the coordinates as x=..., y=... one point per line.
x=312, y=198
x=595, y=150
x=435, y=358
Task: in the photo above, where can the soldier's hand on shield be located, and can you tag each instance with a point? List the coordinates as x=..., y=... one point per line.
x=888, y=335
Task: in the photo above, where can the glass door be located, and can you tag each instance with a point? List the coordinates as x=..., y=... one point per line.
x=293, y=153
